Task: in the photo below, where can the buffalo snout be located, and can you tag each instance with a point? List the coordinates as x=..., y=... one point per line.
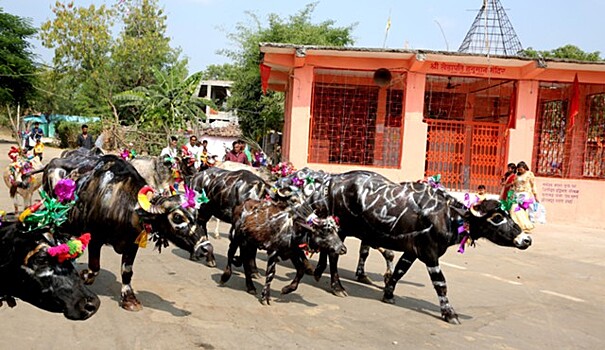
x=523, y=241
x=83, y=308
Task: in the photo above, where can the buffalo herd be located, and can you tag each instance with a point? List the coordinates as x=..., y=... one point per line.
x=129, y=203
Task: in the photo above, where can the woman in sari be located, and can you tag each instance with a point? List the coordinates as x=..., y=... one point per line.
x=508, y=180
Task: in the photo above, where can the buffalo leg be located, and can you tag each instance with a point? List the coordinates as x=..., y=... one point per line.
x=337, y=288
x=403, y=265
x=321, y=265
x=389, y=258
x=265, y=296
x=447, y=311
x=230, y=254
x=364, y=251
x=248, y=261
x=298, y=260
x=129, y=300
x=360, y=273
x=94, y=262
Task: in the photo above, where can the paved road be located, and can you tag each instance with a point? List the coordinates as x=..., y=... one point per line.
x=549, y=296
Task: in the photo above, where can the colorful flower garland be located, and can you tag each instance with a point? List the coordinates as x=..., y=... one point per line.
x=73, y=249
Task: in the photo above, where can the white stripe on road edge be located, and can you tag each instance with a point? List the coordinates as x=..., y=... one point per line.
x=502, y=279
x=562, y=296
x=452, y=265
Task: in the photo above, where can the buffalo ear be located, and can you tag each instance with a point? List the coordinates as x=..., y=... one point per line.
x=460, y=211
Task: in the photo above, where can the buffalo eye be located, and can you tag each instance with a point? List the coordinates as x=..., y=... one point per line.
x=178, y=218
x=497, y=219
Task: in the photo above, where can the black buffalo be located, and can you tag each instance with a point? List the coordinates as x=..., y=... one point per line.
x=110, y=208
x=29, y=273
x=414, y=218
x=225, y=190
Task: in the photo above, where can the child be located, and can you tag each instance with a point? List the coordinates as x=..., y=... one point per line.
x=481, y=193
x=39, y=148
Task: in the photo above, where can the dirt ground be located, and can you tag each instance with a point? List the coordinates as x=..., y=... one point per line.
x=549, y=296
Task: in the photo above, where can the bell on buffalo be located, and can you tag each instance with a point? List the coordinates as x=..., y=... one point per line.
x=382, y=77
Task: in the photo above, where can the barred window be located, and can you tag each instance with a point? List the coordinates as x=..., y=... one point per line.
x=594, y=154
x=552, y=126
x=354, y=121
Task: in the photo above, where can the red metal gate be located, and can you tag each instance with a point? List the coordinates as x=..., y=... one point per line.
x=466, y=154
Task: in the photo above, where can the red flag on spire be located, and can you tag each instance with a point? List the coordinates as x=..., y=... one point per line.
x=574, y=106
x=512, y=109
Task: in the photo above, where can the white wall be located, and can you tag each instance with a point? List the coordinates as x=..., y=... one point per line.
x=217, y=144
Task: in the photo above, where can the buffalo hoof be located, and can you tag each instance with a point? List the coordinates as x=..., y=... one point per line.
x=388, y=300
x=451, y=319
x=88, y=276
x=225, y=277
x=340, y=292
x=288, y=289
x=449, y=315
x=364, y=279
x=130, y=303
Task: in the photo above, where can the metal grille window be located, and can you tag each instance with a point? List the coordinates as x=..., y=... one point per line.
x=594, y=153
x=551, y=138
x=354, y=121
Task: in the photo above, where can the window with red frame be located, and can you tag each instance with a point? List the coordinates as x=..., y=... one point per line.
x=354, y=121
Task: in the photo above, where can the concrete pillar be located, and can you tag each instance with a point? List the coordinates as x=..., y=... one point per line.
x=414, y=130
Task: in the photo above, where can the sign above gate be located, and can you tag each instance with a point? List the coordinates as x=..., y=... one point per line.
x=453, y=68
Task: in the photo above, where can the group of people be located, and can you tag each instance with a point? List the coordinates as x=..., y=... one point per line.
x=198, y=152
x=519, y=185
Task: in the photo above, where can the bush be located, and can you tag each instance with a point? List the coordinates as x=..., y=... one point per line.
x=67, y=132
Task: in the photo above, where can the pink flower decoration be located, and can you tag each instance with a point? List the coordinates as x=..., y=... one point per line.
x=65, y=190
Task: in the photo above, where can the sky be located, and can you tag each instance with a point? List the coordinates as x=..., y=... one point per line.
x=199, y=27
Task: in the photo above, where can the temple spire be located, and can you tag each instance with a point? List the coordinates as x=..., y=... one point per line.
x=491, y=32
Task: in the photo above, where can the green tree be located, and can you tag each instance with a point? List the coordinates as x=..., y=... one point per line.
x=17, y=69
x=142, y=45
x=567, y=51
x=98, y=65
x=259, y=113
x=169, y=103
x=226, y=71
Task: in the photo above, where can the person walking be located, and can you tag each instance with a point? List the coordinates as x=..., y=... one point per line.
x=39, y=148
x=85, y=139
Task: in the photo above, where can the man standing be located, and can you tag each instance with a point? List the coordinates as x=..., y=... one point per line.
x=171, y=151
x=236, y=154
x=85, y=139
x=192, y=151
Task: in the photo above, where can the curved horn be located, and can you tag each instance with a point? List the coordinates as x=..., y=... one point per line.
x=146, y=204
x=476, y=212
x=284, y=192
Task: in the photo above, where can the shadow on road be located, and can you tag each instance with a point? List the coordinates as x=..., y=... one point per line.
x=106, y=284
x=354, y=289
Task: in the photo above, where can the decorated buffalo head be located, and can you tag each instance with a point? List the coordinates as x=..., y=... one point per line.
x=32, y=273
x=487, y=219
x=173, y=220
x=322, y=234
